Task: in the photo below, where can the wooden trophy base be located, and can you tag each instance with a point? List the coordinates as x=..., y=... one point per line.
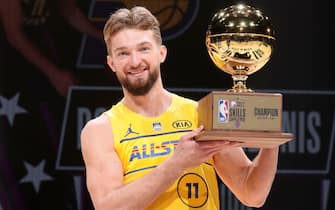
x=251, y=139
x=255, y=119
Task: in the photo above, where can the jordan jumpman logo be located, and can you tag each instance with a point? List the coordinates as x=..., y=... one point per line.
x=130, y=130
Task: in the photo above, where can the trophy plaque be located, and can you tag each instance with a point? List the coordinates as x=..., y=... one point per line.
x=240, y=41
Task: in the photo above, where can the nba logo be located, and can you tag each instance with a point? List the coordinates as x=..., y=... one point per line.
x=223, y=110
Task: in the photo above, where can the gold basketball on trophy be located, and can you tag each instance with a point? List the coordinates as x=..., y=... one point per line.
x=240, y=41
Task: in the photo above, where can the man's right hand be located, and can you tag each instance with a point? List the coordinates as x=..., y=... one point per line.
x=191, y=153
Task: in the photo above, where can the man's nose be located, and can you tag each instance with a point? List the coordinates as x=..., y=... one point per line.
x=135, y=59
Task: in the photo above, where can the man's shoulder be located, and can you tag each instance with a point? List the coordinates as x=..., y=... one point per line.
x=184, y=100
x=97, y=123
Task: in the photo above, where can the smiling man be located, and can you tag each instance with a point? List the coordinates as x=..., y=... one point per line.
x=136, y=156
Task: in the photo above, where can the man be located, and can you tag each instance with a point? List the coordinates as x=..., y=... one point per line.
x=29, y=28
x=36, y=70
x=136, y=159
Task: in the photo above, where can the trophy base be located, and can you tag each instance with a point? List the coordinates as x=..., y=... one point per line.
x=251, y=139
x=221, y=110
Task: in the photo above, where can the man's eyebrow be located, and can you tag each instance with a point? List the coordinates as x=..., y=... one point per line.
x=139, y=44
x=144, y=43
x=119, y=48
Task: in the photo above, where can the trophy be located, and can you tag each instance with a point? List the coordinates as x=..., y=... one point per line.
x=240, y=41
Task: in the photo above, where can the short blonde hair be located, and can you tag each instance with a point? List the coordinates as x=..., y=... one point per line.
x=137, y=18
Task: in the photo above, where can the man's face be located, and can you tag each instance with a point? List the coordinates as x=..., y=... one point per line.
x=136, y=58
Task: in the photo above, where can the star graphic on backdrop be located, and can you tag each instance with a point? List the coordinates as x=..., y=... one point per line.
x=10, y=107
x=35, y=175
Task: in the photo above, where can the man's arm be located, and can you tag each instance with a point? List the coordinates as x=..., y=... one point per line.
x=78, y=20
x=105, y=174
x=250, y=181
x=12, y=21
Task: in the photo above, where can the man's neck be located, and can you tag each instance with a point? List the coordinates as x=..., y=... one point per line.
x=153, y=104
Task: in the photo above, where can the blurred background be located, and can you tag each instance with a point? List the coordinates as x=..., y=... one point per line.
x=54, y=78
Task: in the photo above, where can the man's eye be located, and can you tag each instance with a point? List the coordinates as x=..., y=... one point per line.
x=121, y=54
x=145, y=49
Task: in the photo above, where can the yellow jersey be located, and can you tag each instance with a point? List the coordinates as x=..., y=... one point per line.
x=142, y=143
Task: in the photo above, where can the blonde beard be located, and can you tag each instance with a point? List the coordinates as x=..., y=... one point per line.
x=139, y=88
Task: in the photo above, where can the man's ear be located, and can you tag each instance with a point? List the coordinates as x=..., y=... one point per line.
x=110, y=62
x=163, y=53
